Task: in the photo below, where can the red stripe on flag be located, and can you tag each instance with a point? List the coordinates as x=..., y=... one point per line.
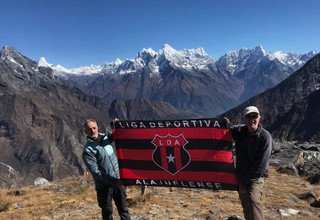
x=211, y=155
x=196, y=155
x=188, y=133
x=177, y=158
x=218, y=177
x=164, y=162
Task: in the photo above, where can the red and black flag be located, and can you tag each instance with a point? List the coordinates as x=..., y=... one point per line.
x=192, y=153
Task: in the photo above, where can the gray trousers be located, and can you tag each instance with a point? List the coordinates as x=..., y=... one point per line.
x=251, y=200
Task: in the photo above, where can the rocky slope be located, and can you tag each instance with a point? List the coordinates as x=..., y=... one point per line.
x=290, y=110
x=40, y=122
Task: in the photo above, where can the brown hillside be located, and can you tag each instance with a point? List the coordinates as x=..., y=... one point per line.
x=74, y=198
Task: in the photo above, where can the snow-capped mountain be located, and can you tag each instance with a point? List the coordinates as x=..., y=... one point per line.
x=187, y=79
x=147, y=58
x=290, y=110
x=60, y=70
x=294, y=59
x=236, y=61
x=259, y=69
x=187, y=59
x=197, y=78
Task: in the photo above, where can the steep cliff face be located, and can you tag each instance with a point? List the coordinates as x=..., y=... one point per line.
x=40, y=122
x=291, y=110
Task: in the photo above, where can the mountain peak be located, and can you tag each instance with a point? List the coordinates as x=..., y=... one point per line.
x=259, y=49
x=117, y=61
x=43, y=62
x=167, y=50
x=197, y=53
x=11, y=55
x=311, y=53
x=201, y=51
x=8, y=48
x=148, y=50
x=146, y=53
x=8, y=52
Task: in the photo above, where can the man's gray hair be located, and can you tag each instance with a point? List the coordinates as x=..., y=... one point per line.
x=85, y=123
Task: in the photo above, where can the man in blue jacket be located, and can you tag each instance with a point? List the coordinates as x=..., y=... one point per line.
x=253, y=149
x=102, y=162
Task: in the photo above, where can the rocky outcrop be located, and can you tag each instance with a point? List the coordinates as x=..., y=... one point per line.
x=300, y=159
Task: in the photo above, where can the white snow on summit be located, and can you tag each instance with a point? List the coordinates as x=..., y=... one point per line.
x=235, y=61
x=92, y=69
x=154, y=61
x=145, y=51
x=187, y=59
x=291, y=59
x=60, y=70
x=43, y=62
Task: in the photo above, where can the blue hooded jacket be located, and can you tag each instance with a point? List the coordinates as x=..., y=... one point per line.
x=101, y=160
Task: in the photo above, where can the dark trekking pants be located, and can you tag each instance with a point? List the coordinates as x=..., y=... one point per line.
x=118, y=194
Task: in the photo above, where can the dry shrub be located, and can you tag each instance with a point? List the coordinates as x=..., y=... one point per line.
x=4, y=206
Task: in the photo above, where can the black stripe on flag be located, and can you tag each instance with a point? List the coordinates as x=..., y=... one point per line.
x=193, y=166
x=199, y=144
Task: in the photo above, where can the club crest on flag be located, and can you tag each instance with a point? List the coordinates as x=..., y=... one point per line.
x=170, y=153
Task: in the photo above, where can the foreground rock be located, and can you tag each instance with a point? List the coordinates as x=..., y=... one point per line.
x=300, y=159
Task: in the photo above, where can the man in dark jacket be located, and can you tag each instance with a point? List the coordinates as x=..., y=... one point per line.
x=102, y=162
x=253, y=149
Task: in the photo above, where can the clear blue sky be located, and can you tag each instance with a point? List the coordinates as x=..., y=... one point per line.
x=83, y=32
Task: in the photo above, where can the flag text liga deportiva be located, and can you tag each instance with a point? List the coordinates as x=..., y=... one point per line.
x=193, y=153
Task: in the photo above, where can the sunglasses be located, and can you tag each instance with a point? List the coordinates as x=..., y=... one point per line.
x=252, y=116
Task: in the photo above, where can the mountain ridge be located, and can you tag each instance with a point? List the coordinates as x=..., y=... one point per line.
x=186, y=57
x=290, y=110
x=190, y=80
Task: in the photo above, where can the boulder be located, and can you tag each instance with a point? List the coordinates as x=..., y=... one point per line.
x=40, y=181
x=288, y=212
